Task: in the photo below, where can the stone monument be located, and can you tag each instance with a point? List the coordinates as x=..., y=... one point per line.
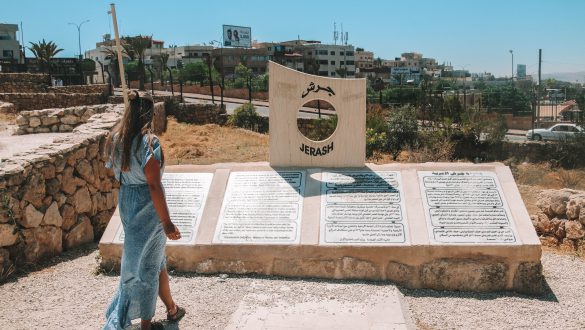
x=317, y=210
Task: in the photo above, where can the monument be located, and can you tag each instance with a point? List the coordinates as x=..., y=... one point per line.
x=317, y=210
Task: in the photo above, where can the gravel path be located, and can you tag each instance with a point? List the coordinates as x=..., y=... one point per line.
x=67, y=295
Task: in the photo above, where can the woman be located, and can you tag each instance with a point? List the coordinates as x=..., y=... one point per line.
x=137, y=160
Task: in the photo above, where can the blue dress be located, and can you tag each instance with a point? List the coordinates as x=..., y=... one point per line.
x=143, y=257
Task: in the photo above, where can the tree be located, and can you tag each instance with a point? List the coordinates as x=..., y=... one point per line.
x=44, y=51
x=402, y=129
x=245, y=74
x=194, y=72
x=163, y=59
x=136, y=47
x=112, y=56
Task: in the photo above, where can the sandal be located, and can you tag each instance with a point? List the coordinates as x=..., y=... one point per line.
x=157, y=326
x=177, y=316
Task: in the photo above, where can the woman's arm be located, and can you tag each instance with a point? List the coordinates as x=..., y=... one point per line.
x=152, y=173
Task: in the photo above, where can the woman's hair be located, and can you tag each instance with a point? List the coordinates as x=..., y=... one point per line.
x=137, y=120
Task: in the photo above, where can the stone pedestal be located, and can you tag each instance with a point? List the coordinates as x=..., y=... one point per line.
x=445, y=226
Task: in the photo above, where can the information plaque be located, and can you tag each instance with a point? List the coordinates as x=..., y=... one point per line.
x=362, y=208
x=186, y=194
x=262, y=208
x=466, y=207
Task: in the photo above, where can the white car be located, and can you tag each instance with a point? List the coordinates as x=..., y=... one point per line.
x=558, y=132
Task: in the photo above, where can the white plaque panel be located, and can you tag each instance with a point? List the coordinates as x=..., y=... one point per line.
x=186, y=194
x=466, y=207
x=262, y=208
x=362, y=208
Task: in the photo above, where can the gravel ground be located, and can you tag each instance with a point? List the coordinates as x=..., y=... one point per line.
x=67, y=295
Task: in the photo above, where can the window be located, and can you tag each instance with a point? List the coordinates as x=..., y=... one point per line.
x=322, y=52
x=332, y=74
x=7, y=53
x=323, y=73
x=341, y=62
x=348, y=53
x=324, y=62
x=349, y=62
x=341, y=53
x=310, y=53
x=332, y=62
x=332, y=53
x=4, y=37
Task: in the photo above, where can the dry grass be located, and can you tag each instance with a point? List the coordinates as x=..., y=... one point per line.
x=209, y=144
x=545, y=177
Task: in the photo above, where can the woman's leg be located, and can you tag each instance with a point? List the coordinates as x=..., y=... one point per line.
x=164, y=291
x=145, y=324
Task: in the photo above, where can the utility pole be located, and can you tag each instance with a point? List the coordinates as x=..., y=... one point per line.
x=119, y=52
x=539, y=85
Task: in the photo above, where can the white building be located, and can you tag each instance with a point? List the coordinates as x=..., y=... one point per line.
x=9, y=45
x=332, y=59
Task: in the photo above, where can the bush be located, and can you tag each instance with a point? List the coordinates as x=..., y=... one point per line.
x=376, y=130
x=402, y=130
x=245, y=116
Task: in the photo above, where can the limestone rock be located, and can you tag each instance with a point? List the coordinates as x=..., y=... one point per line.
x=560, y=228
x=52, y=216
x=549, y=241
x=34, y=122
x=34, y=190
x=568, y=245
x=82, y=200
x=543, y=225
x=84, y=170
x=8, y=234
x=352, y=268
x=52, y=186
x=554, y=202
x=69, y=217
x=49, y=120
x=582, y=216
x=574, y=206
x=42, y=242
x=65, y=128
x=32, y=217
x=82, y=233
x=70, y=120
x=100, y=222
x=400, y=273
x=299, y=267
x=48, y=171
x=21, y=120
x=574, y=230
x=529, y=279
x=464, y=275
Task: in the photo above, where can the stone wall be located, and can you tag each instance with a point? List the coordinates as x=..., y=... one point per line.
x=36, y=101
x=157, y=98
x=82, y=89
x=57, y=120
x=198, y=113
x=561, y=222
x=57, y=196
x=24, y=82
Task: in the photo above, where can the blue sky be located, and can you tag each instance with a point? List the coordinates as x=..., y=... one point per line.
x=471, y=34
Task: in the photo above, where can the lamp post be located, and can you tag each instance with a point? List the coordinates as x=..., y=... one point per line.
x=512, y=53
x=78, y=26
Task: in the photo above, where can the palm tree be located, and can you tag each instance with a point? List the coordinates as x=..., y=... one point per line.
x=112, y=56
x=136, y=47
x=44, y=51
x=163, y=59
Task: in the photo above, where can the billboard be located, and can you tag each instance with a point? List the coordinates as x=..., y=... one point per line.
x=237, y=36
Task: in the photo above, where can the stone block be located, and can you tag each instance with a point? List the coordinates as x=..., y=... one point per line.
x=32, y=217
x=69, y=217
x=81, y=234
x=352, y=268
x=304, y=267
x=82, y=200
x=21, y=120
x=574, y=230
x=554, y=202
x=49, y=120
x=401, y=273
x=63, y=128
x=70, y=120
x=34, y=190
x=8, y=234
x=85, y=171
x=214, y=266
x=42, y=242
x=529, y=279
x=52, y=216
x=34, y=122
x=464, y=275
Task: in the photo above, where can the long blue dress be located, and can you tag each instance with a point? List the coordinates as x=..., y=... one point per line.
x=143, y=257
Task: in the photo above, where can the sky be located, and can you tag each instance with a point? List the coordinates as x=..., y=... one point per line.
x=474, y=35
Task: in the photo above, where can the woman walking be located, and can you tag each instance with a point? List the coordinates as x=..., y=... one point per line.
x=137, y=159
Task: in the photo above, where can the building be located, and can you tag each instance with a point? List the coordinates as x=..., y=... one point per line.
x=255, y=59
x=10, y=52
x=364, y=59
x=329, y=60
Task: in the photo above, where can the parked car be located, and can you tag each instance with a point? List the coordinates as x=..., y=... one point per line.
x=558, y=132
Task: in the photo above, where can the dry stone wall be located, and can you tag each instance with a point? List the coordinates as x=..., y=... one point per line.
x=561, y=222
x=199, y=113
x=57, y=196
x=57, y=120
x=23, y=82
x=37, y=101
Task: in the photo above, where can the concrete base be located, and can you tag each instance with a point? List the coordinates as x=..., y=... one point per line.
x=419, y=262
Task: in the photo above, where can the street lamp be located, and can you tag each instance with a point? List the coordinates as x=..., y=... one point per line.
x=78, y=26
x=512, y=53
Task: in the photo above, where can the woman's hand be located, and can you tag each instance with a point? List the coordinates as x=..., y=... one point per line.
x=171, y=231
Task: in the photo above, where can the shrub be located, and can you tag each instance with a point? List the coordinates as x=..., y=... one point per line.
x=245, y=116
x=402, y=130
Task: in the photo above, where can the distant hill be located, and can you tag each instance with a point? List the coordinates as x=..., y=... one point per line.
x=566, y=76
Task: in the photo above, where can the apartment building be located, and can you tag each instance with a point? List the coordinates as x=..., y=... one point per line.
x=9, y=45
x=331, y=60
x=364, y=59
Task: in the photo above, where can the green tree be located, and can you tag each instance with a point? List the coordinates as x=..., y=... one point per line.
x=136, y=47
x=196, y=72
x=162, y=62
x=112, y=56
x=44, y=51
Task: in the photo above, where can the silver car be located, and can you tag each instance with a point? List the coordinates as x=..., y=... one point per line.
x=558, y=132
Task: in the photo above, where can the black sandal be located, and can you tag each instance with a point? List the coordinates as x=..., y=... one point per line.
x=157, y=326
x=177, y=316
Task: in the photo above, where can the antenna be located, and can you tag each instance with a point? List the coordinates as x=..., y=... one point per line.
x=335, y=34
x=342, y=35
x=346, y=37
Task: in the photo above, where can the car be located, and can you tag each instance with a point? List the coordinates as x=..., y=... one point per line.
x=558, y=132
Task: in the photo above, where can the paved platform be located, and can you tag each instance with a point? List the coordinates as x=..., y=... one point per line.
x=12, y=144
